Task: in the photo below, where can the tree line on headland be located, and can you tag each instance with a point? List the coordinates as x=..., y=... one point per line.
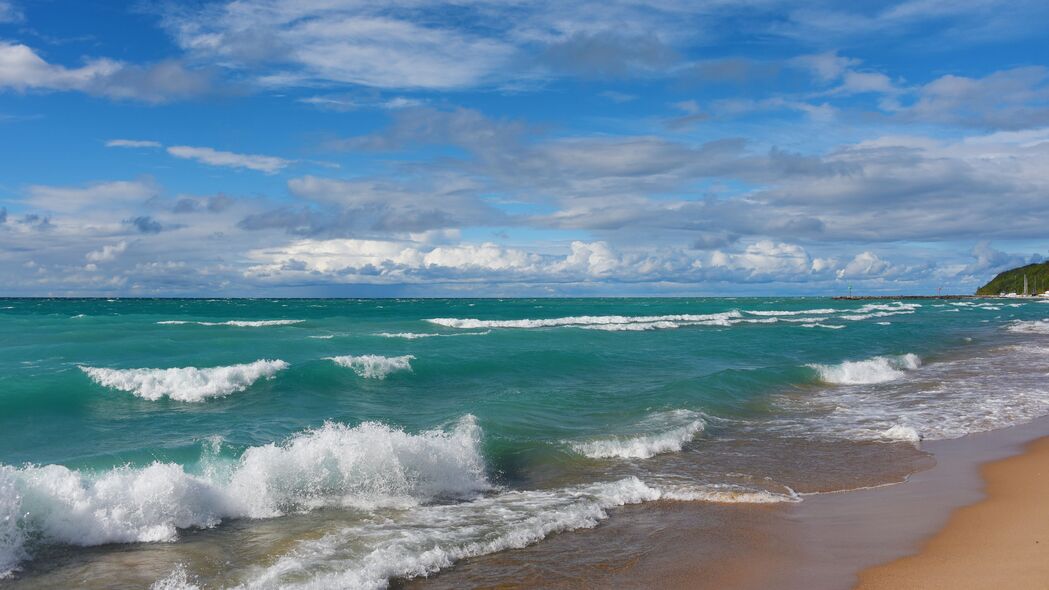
x=1012, y=281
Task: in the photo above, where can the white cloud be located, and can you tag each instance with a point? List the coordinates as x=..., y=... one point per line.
x=132, y=143
x=340, y=42
x=213, y=157
x=107, y=253
x=865, y=264
x=9, y=13
x=827, y=66
x=389, y=261
x=96, y=196
x=22, y=69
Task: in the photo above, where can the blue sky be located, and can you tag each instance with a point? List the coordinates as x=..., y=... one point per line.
x=338, y=147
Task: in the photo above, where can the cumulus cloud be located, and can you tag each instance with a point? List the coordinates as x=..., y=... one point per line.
x=988, y=261
x=107, y=253
x=22, y=70
x=387, y=261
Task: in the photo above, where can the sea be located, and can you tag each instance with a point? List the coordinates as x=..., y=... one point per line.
x=369, y=443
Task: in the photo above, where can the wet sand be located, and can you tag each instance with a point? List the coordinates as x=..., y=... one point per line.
x=1000, y=542
x=823, y=542
x=847, y=533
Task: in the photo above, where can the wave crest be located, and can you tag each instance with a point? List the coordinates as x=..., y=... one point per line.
x=678, y=428
x=373, y=366
x=594, y=322
x=437, y=536
x=878, y=369
x=364, y=466
x=186, y=384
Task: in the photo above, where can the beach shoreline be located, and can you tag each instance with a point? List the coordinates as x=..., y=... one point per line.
x=1000, y=541
x=878, y=538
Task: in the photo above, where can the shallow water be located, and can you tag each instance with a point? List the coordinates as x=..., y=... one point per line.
x=328, y=443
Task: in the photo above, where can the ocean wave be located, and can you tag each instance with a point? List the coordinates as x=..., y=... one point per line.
x=873, y=370
x=662, y=433
x=1029, y=327
x=373, y=366
x=902, y=433
x=418, y=335
x=432, y=538
x=823, y=311
x=620, y=323
x=367, y=466
x=726, y=494
x=186, y=384
x=822, y=325
x=589, y=321
x=880, y=310
x=178, y=579
x=991, y=389
x=235, y=323
x=635, y=327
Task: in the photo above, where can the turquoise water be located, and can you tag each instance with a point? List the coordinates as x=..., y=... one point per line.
x=470, y=426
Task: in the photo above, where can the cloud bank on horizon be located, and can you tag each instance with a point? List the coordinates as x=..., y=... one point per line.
x=339, y=147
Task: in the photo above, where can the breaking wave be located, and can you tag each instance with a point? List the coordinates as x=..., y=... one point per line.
x=620, y=323
x=873, y=370
x=185, y=384
x=366, y=466
x=373, y=366
x=675, y=429
x=418, y=335
x=432, y=538
x=1029, y=327
x=593, y=322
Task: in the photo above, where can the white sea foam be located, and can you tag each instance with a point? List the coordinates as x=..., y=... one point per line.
x=235, y=323
x=445, y=507
x=664, y=432
x=178, y=579
x=821, y=325
x=881, y=310
x=793, y=313
x=714, y=319
x=373, y=366
x=902, y=433
x=432, y=538
x=873, y=370
x=726, y=494
x=634, y=327
x=619, y=323
x=367, y=466
x=418, y=335
x=1029, y=327
x=407, y=335
x=323, y=337
x=186, y=384
x=988, y=389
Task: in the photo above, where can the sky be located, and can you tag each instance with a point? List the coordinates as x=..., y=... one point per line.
x=503, y=147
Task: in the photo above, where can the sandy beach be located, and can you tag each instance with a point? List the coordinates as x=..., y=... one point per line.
x=1001, y=541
